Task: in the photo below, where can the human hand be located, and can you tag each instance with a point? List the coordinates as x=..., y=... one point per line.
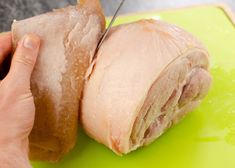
x=17, y=107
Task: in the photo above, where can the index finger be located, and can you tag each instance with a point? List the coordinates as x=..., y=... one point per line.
x=5, y=45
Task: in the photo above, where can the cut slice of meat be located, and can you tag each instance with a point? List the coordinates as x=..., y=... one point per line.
x=69, y=39
x=148, y=75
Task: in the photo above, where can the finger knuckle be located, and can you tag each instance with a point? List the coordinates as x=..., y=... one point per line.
x=26, y=95
x=12, y=91
x=24, y=59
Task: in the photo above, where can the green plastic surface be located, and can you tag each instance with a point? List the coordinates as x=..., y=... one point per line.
x=206, y=137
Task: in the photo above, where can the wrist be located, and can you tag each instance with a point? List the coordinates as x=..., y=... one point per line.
x=14, y=155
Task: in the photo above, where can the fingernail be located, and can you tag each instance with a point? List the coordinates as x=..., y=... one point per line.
x=31, y=42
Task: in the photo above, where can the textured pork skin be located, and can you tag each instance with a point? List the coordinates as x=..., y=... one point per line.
x=69, y=38
x=147, y=76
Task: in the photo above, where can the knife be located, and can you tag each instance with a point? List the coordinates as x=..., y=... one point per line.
x=109, y=27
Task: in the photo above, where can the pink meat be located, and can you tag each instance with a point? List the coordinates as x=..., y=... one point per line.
x=147, y=76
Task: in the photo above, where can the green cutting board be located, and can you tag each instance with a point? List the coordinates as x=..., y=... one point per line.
x=206, y=137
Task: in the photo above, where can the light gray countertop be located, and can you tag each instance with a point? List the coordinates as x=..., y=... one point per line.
x=20, y=9
x=143, y=5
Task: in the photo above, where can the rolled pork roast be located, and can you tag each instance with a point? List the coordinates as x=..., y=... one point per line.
x=69, y=39
x=146, y=77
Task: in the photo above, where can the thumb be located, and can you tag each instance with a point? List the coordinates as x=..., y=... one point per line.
x=24, y=59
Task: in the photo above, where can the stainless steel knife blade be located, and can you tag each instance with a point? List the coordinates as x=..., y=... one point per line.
x=110, y=25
